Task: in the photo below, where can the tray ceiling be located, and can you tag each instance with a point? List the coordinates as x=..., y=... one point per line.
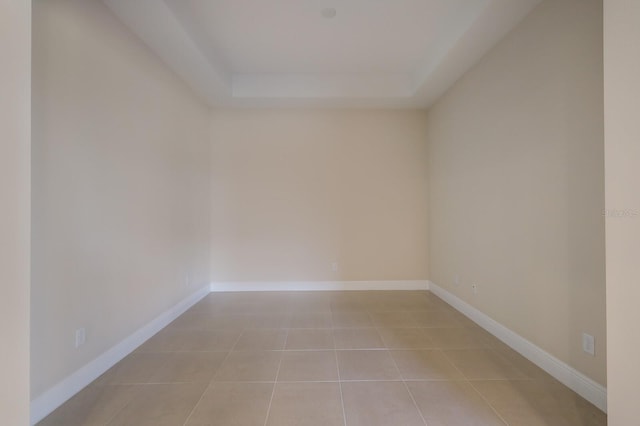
x=340, y=53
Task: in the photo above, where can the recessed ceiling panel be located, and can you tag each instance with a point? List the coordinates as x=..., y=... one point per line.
x=294, y=36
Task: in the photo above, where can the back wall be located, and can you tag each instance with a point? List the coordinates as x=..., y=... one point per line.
x=295, y=192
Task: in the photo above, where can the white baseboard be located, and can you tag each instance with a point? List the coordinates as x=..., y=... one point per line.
x=569, y=376
x=51, y=399
x=317, y=285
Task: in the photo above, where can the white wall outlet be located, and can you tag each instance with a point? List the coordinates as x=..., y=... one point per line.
x=334, y=266
x=456, y=279
x=81, y=337
x=474, y=288
x=588, y=344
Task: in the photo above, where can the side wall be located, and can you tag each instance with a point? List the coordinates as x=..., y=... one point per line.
x=120, y=187
x=622, y=154
x=516, y=183
x=15, y=141
x=296, y=191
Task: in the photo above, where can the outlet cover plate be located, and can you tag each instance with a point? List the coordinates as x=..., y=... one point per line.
x=588, y=344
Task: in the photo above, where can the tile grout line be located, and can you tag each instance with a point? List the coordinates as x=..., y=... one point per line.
x=406, y=387
x=124, y=406
x=328, y=381
x=212, y=381
x=335, y=354
x=495, y=410
x=140, y=385
x=414, y=402
x=474, y=388
x=275, y=382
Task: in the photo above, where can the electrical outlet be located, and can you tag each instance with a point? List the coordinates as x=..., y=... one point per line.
x=588, y=344
x=474, y=288
x=334, y=266
x=81, y=337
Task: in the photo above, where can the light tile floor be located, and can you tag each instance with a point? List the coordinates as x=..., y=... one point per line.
x=325, y=358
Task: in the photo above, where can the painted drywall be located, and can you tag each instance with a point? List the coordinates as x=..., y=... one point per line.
x=517, y=183
x=120, y=187
x=296, y=190
x=622, y=174
x=15, y=142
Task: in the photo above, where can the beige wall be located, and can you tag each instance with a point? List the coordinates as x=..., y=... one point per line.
x=120, y=186
x=295, y=191
x=516, y=183
x=622, y=153
x=15, y=121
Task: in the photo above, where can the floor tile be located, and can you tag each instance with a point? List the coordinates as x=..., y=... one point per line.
x=308, y=404
x=233, y=404
x=308, y=366
x=393, y=319
x=351, y=320
x=435, y=303
x=347, y=306
x=160, y=405
x=227, y=322
x=310, y=302
x=406, y=338
x=535, y=402
x=136, y=368
x=254, y=303
x=398, y=301
x=425, y=365
x=358, y=338
x=483, y=364
x=367, y=365
x=189, y=320
x=521, y=363
x=166, y=340
x=310, y=339
x=255, y=366
x=462, y=319
x=209, y=340
x=93, y=406
x=254, y=308
x=294, y=358
x=445, y=403
x=261, y=339
x=456, y=338
x=189, y=367
x=433, y=319
x=310, y=320
x=379, y=404
x=268, y=321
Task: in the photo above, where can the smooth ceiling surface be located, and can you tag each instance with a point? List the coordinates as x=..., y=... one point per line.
x=373, y=53
x=284, y=36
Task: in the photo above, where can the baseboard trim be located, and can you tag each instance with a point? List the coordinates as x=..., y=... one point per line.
x=241, y=286
x=53, y=398
x=569, y=376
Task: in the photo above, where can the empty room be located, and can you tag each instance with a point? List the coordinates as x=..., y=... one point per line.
x=314, y=212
